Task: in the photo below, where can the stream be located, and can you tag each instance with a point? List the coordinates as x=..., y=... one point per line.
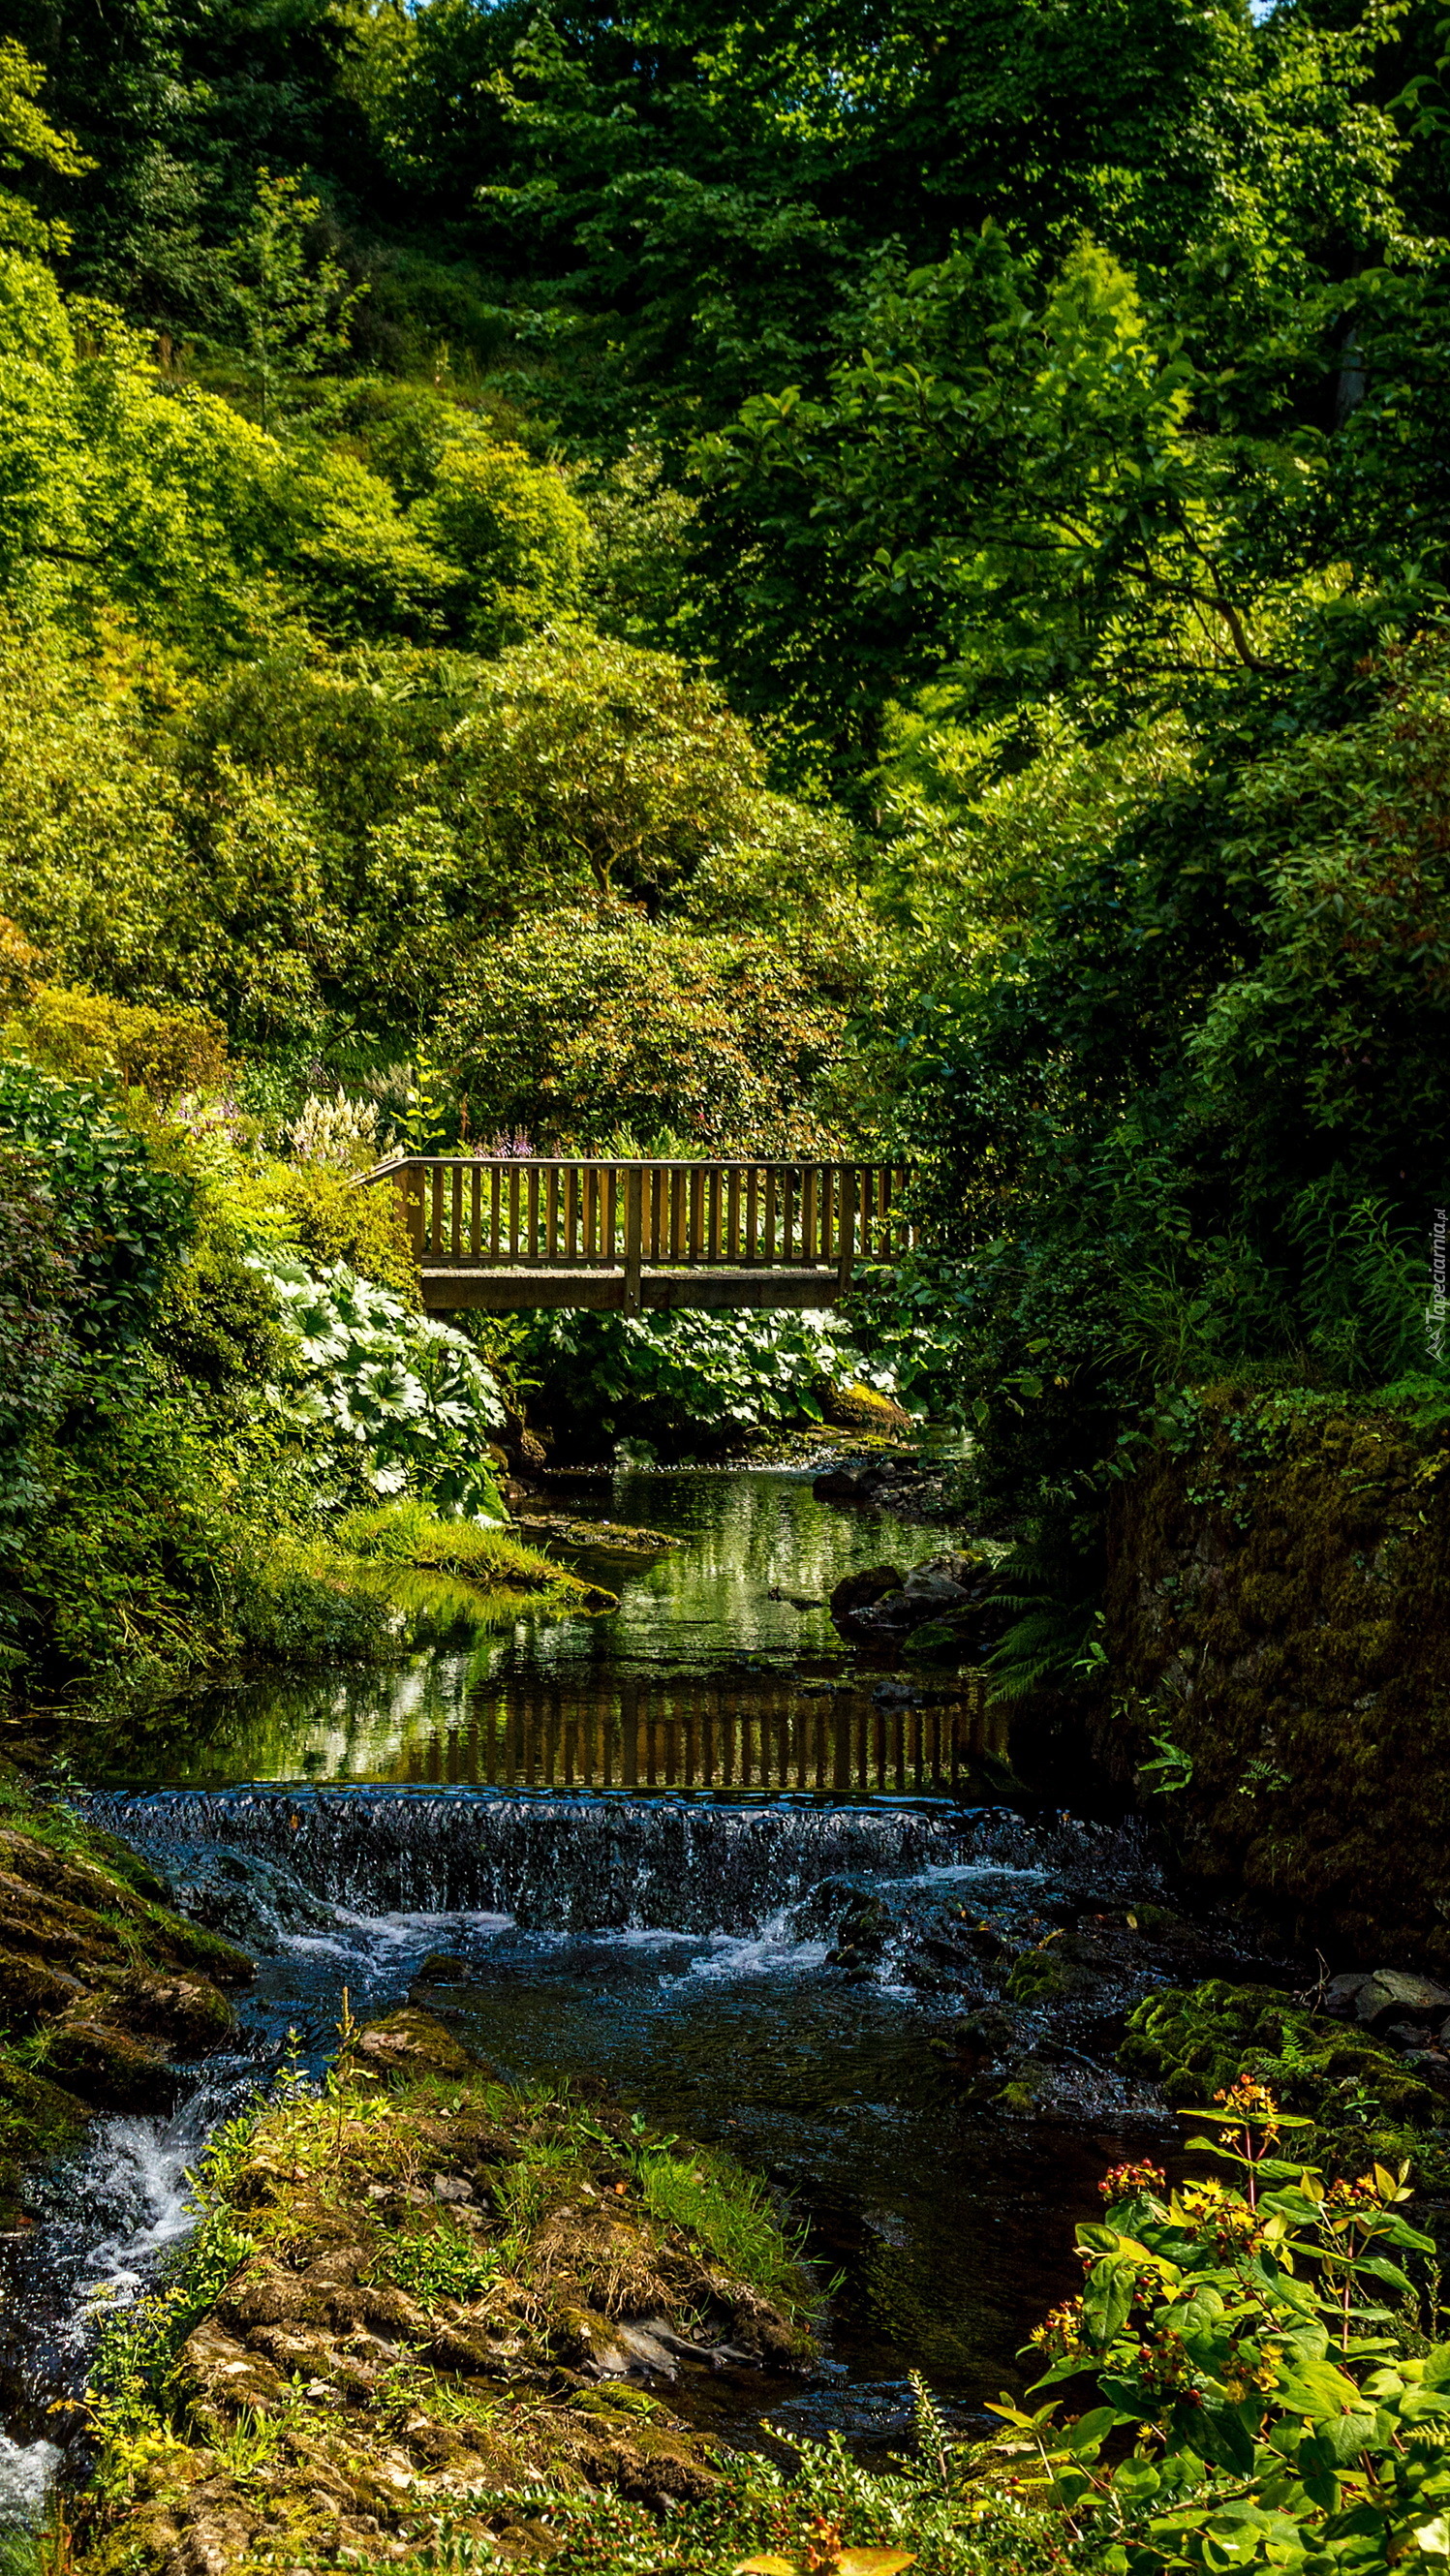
x=814, y=1979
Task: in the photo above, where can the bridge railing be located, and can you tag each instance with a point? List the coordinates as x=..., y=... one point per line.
x=542, y=1213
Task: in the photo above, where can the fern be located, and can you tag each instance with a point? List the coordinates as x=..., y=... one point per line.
x=1363, y=1287
x=1056, y=1585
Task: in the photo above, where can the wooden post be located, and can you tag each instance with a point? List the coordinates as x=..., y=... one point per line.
x=411, y=1201
x=633, y=1236
x=848, y=1228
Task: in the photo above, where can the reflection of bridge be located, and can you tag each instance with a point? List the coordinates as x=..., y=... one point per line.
x=508, y=1234
x=750, y=1733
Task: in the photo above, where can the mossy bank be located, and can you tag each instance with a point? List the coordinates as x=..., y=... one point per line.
x=103, y=1988
x=418, y=2294
x=1278, y=1637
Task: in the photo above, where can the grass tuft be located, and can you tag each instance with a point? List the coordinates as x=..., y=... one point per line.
x=731, y=2215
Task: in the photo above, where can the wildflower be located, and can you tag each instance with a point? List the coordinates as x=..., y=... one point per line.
x=1130, y=2182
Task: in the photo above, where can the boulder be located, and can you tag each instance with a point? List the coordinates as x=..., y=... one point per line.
x=862, y=1591
x=105, y=2065
x=1395, y=1991
x=964, y=1572
x=412, y=2043
x=934, y=1591
x=221, y=2376
x=939, y=1641
x=863, y=1408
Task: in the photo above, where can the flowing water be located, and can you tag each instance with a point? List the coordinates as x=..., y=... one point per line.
x=682, y=1941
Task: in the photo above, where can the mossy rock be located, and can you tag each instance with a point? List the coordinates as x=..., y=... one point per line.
x=940, y=1641
x=1045, y=1975
x=100, y=1984
x=862, y=1408
x=1194, y=2042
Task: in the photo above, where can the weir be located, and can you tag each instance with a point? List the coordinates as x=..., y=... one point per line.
x=590, y=1863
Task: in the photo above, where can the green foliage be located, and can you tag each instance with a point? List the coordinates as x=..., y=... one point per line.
x=136, y=1560
x=39, y=1356
x=333, y=1221
x=1247, y=2342
x=384, y=1399
x=685, y=1377
x=441, y=2263
x=292, y=307
x=578, y=1030
x=408, y=1533
x=125, y=1221
x=518, y=534
x=730, y=2214
x=1183, y=1110
x=69, y=1030
x=604, y=769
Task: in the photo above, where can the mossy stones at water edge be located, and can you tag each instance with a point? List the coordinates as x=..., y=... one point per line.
x=417, y=2297
x=1365, y=2101
x=101, y=1986
x=862, y=1408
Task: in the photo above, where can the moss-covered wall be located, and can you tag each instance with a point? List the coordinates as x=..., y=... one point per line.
x=1279, y=1608
x=102, y=1985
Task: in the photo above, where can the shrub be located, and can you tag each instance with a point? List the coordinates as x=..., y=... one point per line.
x=594, y=768
x=160, y=1052
x=20, y=965
x=385, y=1401
x=674, y=1377
x=125, y=1221
x=518, y=533
x=1257, y=2387
x=136, y=1560
x=333, y=1221
x=574, y=1029
x=38, y=1354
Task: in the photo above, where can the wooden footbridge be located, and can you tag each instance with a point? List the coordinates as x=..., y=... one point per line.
x=512, y=1234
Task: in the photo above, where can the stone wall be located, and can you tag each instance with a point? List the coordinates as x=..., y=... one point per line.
x=1278, y=1610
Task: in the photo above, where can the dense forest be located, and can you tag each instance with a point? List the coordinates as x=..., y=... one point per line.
x=683, y=583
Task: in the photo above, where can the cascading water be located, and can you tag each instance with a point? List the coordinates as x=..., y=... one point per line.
x=591, y=1864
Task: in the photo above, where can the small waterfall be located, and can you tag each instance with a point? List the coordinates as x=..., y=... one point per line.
x=575, y=1864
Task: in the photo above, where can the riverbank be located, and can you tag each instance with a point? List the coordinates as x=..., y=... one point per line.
x=105, y=1990
x=924, y=2026
x=414, y=2294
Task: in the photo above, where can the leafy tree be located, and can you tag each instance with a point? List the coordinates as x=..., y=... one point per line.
x=1185, y=1118
x=292, y=304
x=619, y=1035
x=591, y=765
x=27, y=135
x=517, y=532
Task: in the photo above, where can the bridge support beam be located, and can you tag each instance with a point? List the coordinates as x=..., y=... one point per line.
x=513, y=1292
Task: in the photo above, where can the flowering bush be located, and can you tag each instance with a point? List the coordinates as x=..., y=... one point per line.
x=340, y=1132
x=1259, y=2402
x=395, y=1401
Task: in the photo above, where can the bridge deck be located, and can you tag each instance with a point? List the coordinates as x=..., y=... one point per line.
x=509, y=1235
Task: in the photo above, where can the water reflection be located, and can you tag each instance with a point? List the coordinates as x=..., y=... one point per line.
x=720, y=1667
